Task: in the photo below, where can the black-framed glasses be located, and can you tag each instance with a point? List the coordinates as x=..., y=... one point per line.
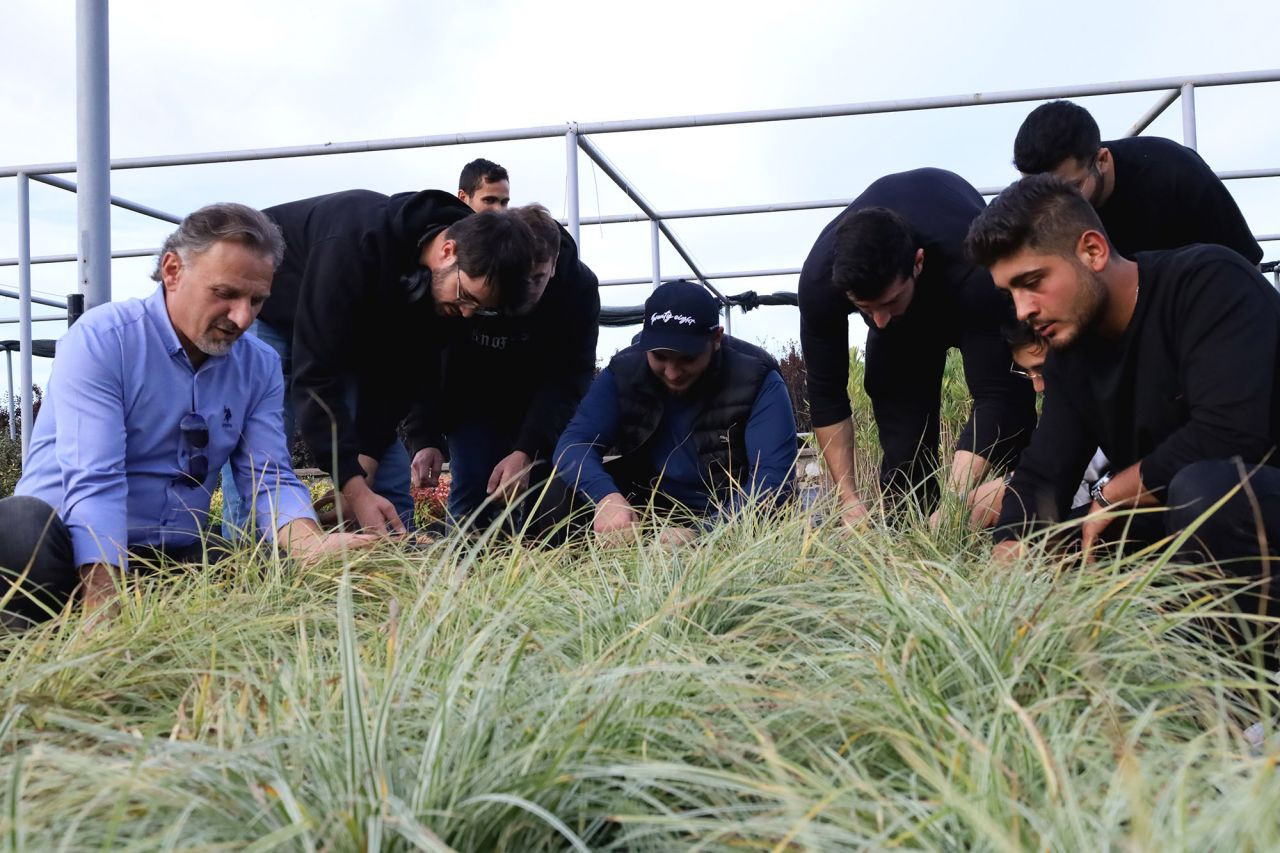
x=1031, y=375
x=195, y=433
x=462, y=299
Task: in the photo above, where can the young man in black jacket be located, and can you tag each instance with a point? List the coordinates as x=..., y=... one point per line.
x=484, y=185
x=1150, y=193
x=896, y=254
x=356, y=311
x=1170, y=363
x=511, y=383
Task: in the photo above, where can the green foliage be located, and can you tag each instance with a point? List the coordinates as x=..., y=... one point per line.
x=10, y=463
x=774, y=686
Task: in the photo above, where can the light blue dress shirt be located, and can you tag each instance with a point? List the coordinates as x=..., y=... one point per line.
x=107, y=452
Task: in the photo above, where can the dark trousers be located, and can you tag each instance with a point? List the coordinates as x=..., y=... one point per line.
x=474, y=449
x=38, y=571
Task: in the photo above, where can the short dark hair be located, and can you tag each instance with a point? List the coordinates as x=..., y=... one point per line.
x=546, y=231
x=1021, y=335
x=478, y=172
x=1039, y=212
x=1053, y=132
x=496, y=246
x=874, y=247
x=214, y=223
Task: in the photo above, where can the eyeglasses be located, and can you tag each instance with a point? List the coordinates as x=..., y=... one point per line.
x=1033, y=374
x=462, y=299
x=195, y=432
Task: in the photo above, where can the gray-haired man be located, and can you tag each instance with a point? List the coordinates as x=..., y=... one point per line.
x=147, y=399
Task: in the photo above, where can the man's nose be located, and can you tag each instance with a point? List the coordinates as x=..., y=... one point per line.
x=1025, y=307
x=881, y=318
x=1037, y=383
x=242, y=314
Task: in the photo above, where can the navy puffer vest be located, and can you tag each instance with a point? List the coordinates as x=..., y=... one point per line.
x=728, y=391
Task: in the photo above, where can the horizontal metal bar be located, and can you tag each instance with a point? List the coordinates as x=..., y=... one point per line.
x=1242, y=174
x=123, y=203
x=62, y=259
x=670, y=122
x=38, y=300
x=1267, y=238
x=619, y=282
x=60, y=318
x=697, y=213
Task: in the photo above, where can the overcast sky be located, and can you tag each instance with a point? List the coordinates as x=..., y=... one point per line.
x=192, y=77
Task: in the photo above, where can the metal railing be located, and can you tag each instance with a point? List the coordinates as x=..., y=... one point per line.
x=577, y=136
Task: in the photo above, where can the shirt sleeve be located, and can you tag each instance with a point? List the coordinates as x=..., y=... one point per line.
x=568, y=366
x=87, y=395
x=1226, y=322
x=771, y=442
x=262, y=466
x=579, y=455
x=323, y=338
x=824, y=341
x=1048, y=471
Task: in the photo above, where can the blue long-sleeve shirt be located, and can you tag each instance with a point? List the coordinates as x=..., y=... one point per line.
x=770, y=439
x=107, y=451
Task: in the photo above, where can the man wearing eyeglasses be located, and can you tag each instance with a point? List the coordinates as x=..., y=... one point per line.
x=355, y=314
x=146, y=399
x=1150, y=193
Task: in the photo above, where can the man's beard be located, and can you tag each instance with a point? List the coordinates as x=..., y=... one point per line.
x=1086, y=309
x=216, y=346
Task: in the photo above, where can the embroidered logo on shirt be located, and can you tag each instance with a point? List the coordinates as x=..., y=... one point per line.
x=226, y=416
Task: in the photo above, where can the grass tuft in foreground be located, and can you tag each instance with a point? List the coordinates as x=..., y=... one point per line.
x=772, y=687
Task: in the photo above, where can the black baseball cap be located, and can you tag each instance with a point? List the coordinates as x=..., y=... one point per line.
x=680, y=316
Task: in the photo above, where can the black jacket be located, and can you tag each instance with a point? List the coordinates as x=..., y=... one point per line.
x=531, y=370
x=728, y=391
x=1194, y=377
x=340, y=295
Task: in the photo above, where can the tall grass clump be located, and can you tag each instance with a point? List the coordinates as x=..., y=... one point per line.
x=774, y=686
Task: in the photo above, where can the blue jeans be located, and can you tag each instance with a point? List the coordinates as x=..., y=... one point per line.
x=475, y=448
x=391, y=480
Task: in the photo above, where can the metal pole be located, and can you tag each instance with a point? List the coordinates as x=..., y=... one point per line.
x=655, y=238
x=24, y=309
x=1188, y=115
x=13, y=425
x=571, y=184
x=1154, y=113
x=123, y=203
x=93, y=151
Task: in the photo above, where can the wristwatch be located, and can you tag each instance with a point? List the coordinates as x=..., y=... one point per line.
x=1095, y=491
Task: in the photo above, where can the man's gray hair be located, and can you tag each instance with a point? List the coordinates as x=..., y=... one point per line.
x=223, y=221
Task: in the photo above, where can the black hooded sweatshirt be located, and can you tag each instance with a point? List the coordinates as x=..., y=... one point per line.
x=342, y=294
x=529, y=371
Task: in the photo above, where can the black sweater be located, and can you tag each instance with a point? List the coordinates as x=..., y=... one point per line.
x=339, y=295
x=1195, y=376
x=1166, y=196
x=951, y=293
x=530, y=370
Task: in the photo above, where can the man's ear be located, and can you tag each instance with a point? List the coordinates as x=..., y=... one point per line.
x=1093, y=250
x=464, y=197
x=1103, y=159
x=170, y=266
x=715, y=341
x=919, y=262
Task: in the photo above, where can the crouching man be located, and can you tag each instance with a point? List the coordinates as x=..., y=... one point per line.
x=701, y=421
x=1170, y=363
x=146, y=401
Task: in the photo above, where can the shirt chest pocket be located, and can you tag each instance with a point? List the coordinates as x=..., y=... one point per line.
x=225, y=427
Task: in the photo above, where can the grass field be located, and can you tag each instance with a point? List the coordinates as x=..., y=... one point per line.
x=775, y=686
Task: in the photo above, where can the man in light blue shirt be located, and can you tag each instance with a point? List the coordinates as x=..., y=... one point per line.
x=147, y=399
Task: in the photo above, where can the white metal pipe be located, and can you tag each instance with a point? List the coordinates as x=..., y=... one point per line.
x=116, y=201
x=13, y=426
x=1189, y=115
x=93, y=152
x=663, y=123
x=655, y=244
x=58, y=259
x=712, y=276
x=571, y=185
x=38, y=300
x=1154, y=113
x=24, y=310
x=55, y=317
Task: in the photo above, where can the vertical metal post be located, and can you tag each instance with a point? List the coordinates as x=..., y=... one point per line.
x=571, y=184
x=1188, y=115
x=24, y=307
x=655, y=237
x=728, y=320
x=13, y=425
x=93, y=152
